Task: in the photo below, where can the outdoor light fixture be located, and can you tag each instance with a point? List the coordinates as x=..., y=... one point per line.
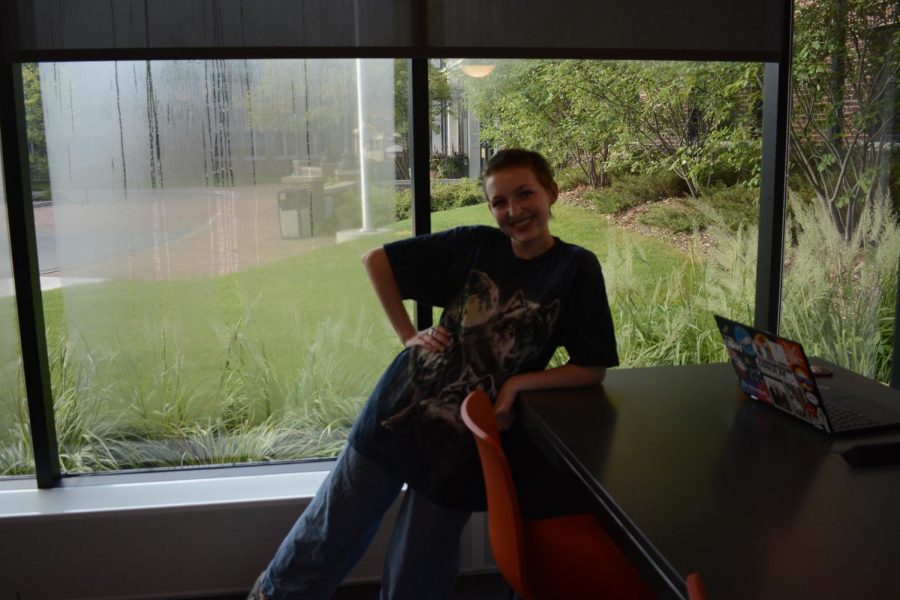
x=477, y=71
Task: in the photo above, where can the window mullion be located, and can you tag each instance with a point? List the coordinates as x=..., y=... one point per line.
x=23, y=249
x=773, y=181
x=420, y=150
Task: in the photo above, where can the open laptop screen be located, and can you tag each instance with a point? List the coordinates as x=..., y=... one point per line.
x=773, y=370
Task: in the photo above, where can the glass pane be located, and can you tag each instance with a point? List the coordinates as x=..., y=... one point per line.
x=840, y=274
x=658, y=166
x=205, y=230
x=16, y=457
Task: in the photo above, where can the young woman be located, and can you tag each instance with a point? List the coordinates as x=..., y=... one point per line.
x=511, y=296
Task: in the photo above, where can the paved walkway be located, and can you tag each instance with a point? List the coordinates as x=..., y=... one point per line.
x=176, y=234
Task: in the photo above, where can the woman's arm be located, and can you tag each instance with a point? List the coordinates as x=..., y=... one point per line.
x=378, y=267
x=566, y=376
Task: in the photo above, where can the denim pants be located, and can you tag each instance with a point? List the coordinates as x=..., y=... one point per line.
x=336, y=528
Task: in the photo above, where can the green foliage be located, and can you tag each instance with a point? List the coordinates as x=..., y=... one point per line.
x=109, y=419
x=449, y=166
x=692, y=117
x=697, y=120
x=548, y=106
x=845, y=63
x=630, y=190
x=611, y=200
x=150, y=399
x=894, y=181
x=666, y=319
x=734, y=207
x=34, y=125
x=438, y=96
x=677, y=217
x=403, y=204
x=456, y=194
x=571, y=176
x=839, y=292
x=444, y=196
x=651, y=185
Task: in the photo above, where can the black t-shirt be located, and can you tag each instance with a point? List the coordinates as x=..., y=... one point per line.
x=506, y=316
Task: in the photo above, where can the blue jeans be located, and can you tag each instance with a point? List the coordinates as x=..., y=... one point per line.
x=336, y=528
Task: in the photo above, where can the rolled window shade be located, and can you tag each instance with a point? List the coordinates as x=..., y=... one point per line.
x=638, y=28
x=96, y=25
x=688, y=27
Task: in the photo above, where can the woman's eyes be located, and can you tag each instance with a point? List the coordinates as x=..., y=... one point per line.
x=500, y=203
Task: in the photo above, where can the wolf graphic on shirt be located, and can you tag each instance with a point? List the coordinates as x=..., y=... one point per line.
x=491, y=339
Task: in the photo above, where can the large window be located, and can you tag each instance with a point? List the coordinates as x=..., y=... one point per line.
x=658, y=165
x=202, y=230
x=15, y=443
x=199, y=221
x=840, y=270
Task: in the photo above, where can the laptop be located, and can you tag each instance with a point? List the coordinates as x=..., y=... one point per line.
x=776, y=371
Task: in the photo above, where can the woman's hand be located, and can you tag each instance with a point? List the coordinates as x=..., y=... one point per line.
x=566, y=376
x=504, y=407
x=433, y=339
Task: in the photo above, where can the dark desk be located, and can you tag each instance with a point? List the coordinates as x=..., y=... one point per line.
x=689, y=477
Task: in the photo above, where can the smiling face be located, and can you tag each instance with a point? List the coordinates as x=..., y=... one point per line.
x=521, y=207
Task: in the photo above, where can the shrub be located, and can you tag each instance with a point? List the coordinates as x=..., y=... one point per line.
x=736, y=206
x=444, y=196
x=612, y=199
x=449, y=166
x=456, y=194
x=570, y=177
x=652, y=185
x=839, y=292
x=628, y=190
x=675, y=216
x=403, y=205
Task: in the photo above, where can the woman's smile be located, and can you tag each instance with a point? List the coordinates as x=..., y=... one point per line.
x=521, y=207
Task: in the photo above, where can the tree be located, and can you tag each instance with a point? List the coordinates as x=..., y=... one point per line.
x=438, y=96
x=690, y=118
x=544, y=105
x=844, y=81
x=34, y=123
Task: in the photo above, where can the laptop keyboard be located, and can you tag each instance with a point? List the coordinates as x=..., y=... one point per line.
x=843, y=417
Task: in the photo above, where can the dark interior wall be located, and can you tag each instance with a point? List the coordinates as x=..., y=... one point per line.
x=203, y=550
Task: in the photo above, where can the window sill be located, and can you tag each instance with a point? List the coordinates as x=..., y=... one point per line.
x=163, y=491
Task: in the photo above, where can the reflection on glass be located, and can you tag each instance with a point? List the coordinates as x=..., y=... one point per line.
x=205, y=230
x=16, y=457
x=658, y=167
x=840, y=275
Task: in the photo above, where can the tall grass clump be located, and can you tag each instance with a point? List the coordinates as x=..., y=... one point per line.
x=839, y=289
x=16, y=456
x=146, y=406
x=668, y=319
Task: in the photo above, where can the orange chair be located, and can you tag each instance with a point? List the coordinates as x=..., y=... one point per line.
x=695, y=588
x=561, y=558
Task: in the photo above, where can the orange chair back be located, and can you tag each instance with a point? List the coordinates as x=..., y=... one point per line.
x=695, y=587
x=504, y=520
